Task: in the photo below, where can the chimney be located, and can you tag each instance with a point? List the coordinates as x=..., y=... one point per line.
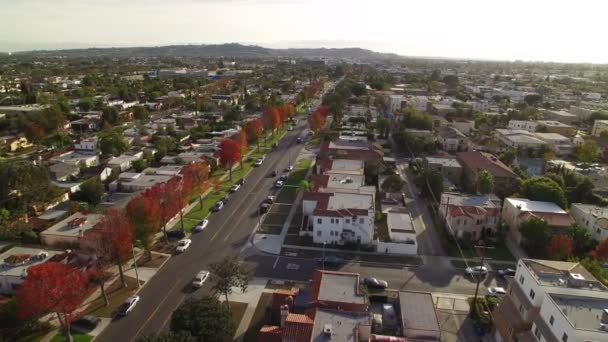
x=284, y=313
x=605, y=316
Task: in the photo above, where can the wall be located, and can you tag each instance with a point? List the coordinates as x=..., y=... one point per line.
x=396, y=248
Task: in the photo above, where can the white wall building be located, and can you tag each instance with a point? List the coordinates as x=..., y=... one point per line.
x=69, y=230
x=469, y=216
x=529, y=126
x=515, y=211
x=599, y=127
x=14, y=264
x=592, y=217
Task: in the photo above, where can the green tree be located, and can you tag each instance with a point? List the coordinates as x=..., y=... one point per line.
x=587, y=152
x=544, y=189
x=430, y=183
x=140, y=113
x=139, y=165
x=383, y=127
x=86, y=104
x=581, y=239
x=508, y=156
x=359, y=89
x=536, y=234
x=305, y=185
x=371, y=170
x=110, y=115
x=90, y=191
x=533, y=99
x=23, y=184
x=485, y=184
x=112, y=143
x=227, y=274
x=393, y=183
x=205, y=319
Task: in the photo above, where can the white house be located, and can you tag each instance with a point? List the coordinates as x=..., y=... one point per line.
x=518, y=139
x=599, y=127
x=470, y=216
x=515, y=211
x=529, y=126
x=69, y=231
x=123, y=162
x=339, y=218
x=77, y=158
x=561, y=145
x=14, y=264
x=592, y=217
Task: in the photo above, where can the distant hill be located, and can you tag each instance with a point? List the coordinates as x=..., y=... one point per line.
x=216, y=51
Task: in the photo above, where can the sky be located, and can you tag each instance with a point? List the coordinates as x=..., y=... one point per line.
x=531, y=30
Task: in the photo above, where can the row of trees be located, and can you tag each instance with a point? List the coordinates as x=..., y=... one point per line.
x=316, y=119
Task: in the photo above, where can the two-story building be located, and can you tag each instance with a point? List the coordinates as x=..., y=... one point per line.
x=592, y=217
x=470, y=216
x=448, y=165
x=452, y=140
x=70, y=230
x=515, y=211
x=473, y=163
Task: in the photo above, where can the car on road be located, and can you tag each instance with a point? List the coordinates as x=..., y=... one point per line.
x=477, y=270
x=127, y=306
x=374, y=283
x=201, y=226
x=278, y=184
x=496, y=291
x=241, y=181
x=289, y=168
x=299, y=140
x=283, y=178
x=218, y=206
x=259, y=162
x=269, y=200
x=330, y=260
x=506, y=272
x=182, y=245
x=274, y=173
x=176, y=234
x=86, y=322
x=235, y=187
x=200, y=278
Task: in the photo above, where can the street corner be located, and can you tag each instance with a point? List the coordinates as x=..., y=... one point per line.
x=268, y=243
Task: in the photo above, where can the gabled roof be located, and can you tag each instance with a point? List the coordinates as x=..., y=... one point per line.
x=478, y=161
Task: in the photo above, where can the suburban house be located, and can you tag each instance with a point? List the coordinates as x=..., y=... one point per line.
x=350, y=149
x=123, y=162
x=550, y=126
x=14, y=143
x=475, y=162
x=599, y=127
x=553, y=301
x=592, y=217
x=14, y=265
x=518, y=139
x=561, y=145
x=338, y=218
x=77, y=158
x=62, y=172
x=340, y=166
x=470, y=216
x=448, y=165
x=515, y=211
x=134, y=182
x=452, y=140
x=68, y=231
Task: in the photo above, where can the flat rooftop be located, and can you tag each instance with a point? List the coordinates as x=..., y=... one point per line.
x=74, y=225
x=583, y=312
x=346, y=165
x=350, y=201
x=418, y=315
x=467, y=200
x=17, y=260
x=443, y=161
x=340, y=287
x=399, y=222
x=552, y=123
x=345, y=181
x=569, y=276
x=535, y=206
x=343, y=325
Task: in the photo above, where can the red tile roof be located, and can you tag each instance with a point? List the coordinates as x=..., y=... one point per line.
x=298, y=327
x=319, y=181
x=478, y=161
x=556, y=220
x=270, y=333
x=281, y=297
x=469, y=211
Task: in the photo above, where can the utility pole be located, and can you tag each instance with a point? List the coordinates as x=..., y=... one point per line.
x=481, y=246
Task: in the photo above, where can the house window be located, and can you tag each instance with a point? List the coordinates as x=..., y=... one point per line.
x=551, y=320
x=537, y=333
x=320, y=221
x=319, y=233
x=331, y=233
x=532, y=294
x=597, y=231
x=521, y=309
x=331, y=221
x=521, y=279
x=348, y=221
x=565, y=337
x=361, y=220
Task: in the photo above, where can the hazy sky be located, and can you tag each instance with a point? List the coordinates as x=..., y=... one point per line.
x=555, y=30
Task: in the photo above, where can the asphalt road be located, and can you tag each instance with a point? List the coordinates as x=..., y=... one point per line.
x=228, y=231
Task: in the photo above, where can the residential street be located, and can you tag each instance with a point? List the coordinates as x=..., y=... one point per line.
x=227, y=233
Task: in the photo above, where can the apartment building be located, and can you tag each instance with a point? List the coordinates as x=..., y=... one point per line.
x=592, y=217
x=552, y=301
x=559, y=144
x=515, y=211
x=470, y=216
x=475, y=162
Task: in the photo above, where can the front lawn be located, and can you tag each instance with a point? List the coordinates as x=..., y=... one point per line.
x=78, y=337
x=116, y=296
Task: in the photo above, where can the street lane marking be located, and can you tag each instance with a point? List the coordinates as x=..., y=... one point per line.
x=275, y=263
x=156, y=310
x=169, y=317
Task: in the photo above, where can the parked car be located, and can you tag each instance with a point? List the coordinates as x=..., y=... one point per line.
x=506, y=272
x=330, y=260
x=235, y=187
x=201, y=226
x=274, y=173
x=86, y=322
x=289, y=168
x=496, y=291
x=275, y=145
x=182, y=245
x=176, y=234
x=200, y=278
x=269, y=200
x=241, y=181
x=278, y=184
x=290, y=128
x=283, y=178
x=224, y=199
x=259, y=162
x=218, y=206
x=299, y=140
x=127, y=306
x=264, y=207
x=374, y=283
x=477, y=270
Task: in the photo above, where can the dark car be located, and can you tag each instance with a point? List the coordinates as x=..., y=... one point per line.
x=218, y=206
x=176, y=234
x=330, y=260
x=299, y=140
x=283, y=178
x=86, y=322
x=264, y=207
x=274, y=173
x=275, y=145
x=506, y=272
x=269, y=200
x=241, y=181
x=224, y=199
x=374, y=283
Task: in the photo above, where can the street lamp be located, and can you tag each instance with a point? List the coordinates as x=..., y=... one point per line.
x=135, y=261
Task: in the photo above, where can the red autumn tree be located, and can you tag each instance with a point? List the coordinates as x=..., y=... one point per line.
x=271, y=119
x=283, y=113
x=254, y=129
x=52, y=287
x=229, y=154
x=241, y=141
x=195, y=176
x=323, y=109
x=316, y=121
x=560, y=247
x=111, y=239
x=145, y=216
x=600, y=253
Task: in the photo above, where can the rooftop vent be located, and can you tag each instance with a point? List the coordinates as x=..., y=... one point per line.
x=328, y=330
x=577, y=276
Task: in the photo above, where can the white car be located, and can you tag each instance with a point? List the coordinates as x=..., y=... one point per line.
x=259, y=162
x=496, y=291
x=201, y=226
x=477, y=270
x=127, y=306
x=182, y=245
x=289, y=168
x=235, y=187
x=278, y=184
x=200, y=278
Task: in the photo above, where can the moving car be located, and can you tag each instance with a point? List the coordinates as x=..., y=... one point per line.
x=176, y=234
x=506, y=272
x=374, y=283
x=477, y=270
x=127, y=306
x=496, y=291
x=235, y=187
x=330, y=260
x=289, y=168
x=201, y=226
x=259, y=162
x=199, y=278
x=218, y=206
x=182, y=245
x=278, y=184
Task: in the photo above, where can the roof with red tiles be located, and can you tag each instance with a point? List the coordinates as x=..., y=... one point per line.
x=298, y=327
x=478, y=161
x=556, y=220
x=457, y=211
x=270, y=333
